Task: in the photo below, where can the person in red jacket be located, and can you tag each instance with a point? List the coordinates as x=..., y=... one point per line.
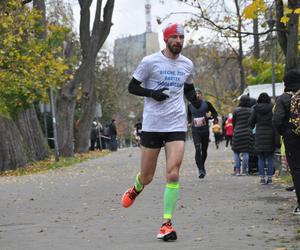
x=229, y=130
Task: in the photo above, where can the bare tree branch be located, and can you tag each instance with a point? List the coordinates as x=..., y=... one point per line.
x=97, y=20
x=220, y=27
x=106, y=24
x=85, y=39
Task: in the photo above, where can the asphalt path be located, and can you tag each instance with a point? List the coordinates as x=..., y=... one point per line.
x=78, y=208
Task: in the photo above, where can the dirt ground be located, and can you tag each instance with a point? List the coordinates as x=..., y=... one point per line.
x=79, y=208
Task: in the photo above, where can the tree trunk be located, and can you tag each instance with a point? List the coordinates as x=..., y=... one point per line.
x=34, y=140
x=27, y=120
x=88, y=108
x=12, y=152
x=65, y=111
x=292, y=60
x=281, y=32
x=256, y=51
x=240, y=53
x=91, y=43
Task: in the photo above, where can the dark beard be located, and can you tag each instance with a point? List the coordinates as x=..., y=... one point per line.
x=174, y=50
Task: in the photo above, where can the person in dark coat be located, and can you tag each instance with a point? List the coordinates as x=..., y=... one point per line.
x=282, y=124
x=113, y=135
x=242, y=139
x=261, y=118
x=93, y=136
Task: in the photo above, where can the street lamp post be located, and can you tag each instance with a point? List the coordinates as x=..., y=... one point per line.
x=271, y=23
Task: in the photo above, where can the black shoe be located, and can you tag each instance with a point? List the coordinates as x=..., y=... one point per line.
x=201, y=174
x=291, y=188
x=269, y=181
x=296, y=211
x=262, y=181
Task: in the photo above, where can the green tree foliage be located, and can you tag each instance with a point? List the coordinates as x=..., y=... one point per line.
x=28, y=66
x=264, y=71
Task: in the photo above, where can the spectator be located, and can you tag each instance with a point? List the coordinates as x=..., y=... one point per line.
x=113, y=135
x=106, y=137
x=286, y=113
x=223, y=121
x=138, y=131
x=99, y=129
x=229, y=130
x=264, y=142
x=242, y=139
x=93, y=136
x=217, y=130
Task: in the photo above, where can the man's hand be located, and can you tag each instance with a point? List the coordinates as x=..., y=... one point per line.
x=158, y=94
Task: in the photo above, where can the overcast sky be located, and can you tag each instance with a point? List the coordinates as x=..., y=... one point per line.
x=129, y=17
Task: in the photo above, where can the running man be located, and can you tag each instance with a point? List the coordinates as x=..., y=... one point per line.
x=167, y=77
x=198, y=117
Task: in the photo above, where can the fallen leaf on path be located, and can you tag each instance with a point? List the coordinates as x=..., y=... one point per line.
x=198, y=239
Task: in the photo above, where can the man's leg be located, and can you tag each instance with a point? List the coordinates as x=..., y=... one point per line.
x=174, y=155
x=148, y=166
x=204, y=146
x=198, y=153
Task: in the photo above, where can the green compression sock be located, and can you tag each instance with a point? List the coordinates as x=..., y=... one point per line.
x=170, y=199
x=138, y=185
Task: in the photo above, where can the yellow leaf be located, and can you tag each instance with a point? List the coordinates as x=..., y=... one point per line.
x=297, y=11
x=284, y=19
x=288, y=11
x=250, y=11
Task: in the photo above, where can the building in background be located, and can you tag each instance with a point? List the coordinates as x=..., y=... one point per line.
x=129, y=51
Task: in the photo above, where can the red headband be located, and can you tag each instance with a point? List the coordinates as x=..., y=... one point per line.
x=171, y=29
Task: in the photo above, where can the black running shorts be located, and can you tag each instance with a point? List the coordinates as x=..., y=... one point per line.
x=159, y=139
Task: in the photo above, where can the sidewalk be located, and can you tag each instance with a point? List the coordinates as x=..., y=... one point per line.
x=78, y=208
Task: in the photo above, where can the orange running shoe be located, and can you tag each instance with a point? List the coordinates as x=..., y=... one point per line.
x=167, y=233
x=129, y=197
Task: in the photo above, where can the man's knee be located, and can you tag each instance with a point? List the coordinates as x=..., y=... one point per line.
x=172, y=177
x=173, y=173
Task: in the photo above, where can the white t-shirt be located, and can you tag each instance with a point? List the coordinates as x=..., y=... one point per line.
x=157, y=71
